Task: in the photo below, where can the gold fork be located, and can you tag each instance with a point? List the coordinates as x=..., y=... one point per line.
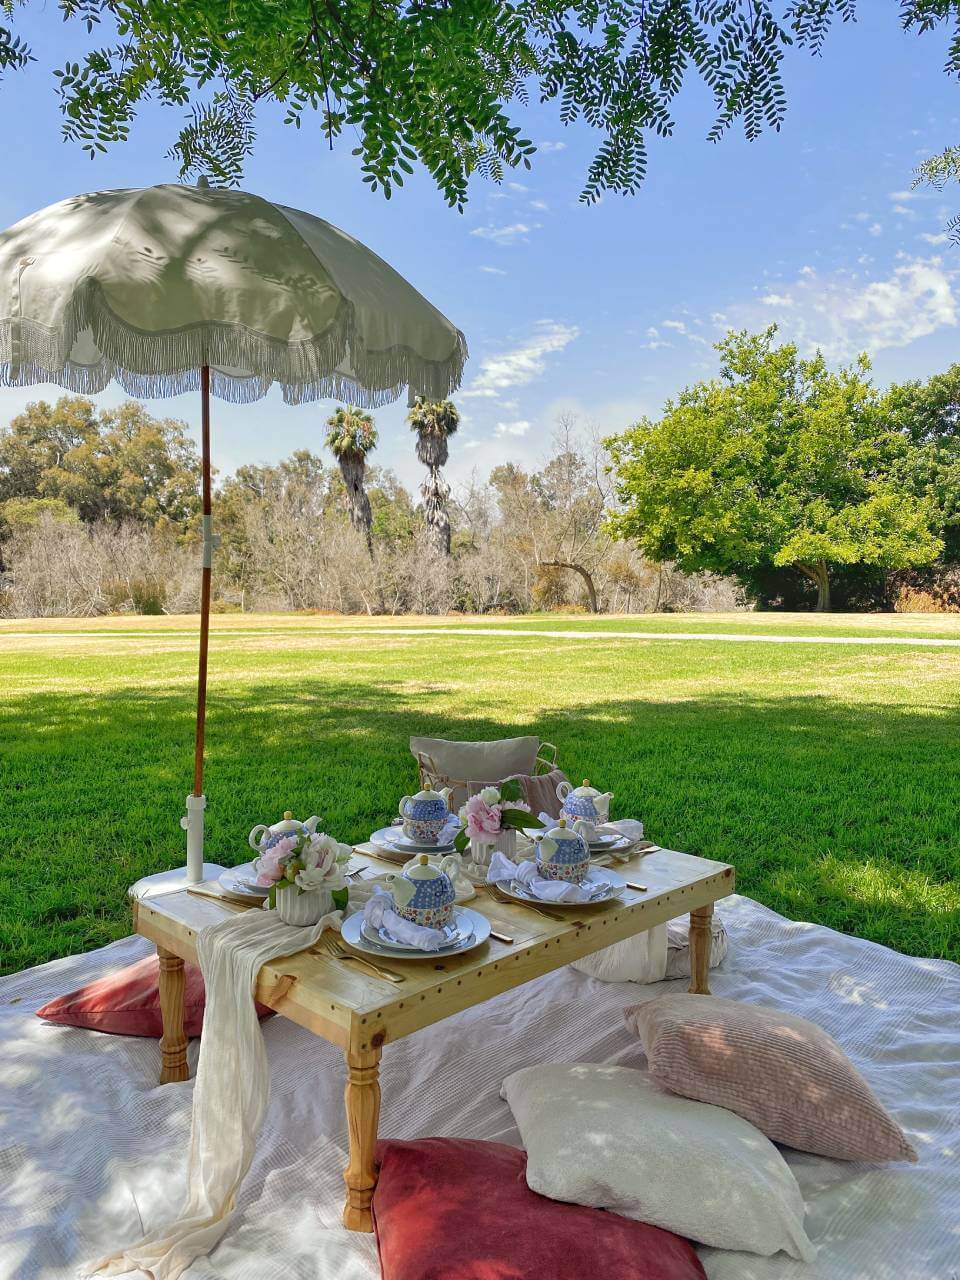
x=515, y=902
x=338, y=951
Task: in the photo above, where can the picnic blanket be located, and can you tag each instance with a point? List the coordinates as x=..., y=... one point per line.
x=94, y=1151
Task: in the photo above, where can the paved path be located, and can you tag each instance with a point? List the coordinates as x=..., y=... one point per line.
x=453, y=629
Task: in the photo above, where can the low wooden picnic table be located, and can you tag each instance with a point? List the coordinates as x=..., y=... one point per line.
x=351, y=1007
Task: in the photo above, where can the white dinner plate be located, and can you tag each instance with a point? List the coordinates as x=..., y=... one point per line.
x=474, y=927
x=455, y=933
x=393, y=841
x=242, y=882
x=613, y=885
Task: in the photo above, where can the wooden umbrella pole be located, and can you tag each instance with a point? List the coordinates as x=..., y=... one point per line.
x=196, y=801
x=206, y=575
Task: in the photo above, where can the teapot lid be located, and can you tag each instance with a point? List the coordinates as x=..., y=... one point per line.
x=586, y=791
x=288, y=825
x=562, y=832
x=423, y=869
x=428, y=794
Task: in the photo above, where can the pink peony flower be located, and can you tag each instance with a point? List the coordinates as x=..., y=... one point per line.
x=482, y=819
x=270, y=864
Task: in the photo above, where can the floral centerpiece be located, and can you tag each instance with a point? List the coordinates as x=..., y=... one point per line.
x=305, y=875
x=491, y=819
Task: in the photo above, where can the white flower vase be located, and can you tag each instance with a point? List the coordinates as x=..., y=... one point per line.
x=506, y=842
x=480, y=849
x=295, y=907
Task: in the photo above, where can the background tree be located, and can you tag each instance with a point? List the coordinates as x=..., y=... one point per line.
x=778, y=463
x=433, y=82
x=350, y=438
x=112, y=464
x=435, y=422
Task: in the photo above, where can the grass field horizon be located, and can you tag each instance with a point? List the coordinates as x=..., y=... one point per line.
x=828, y=774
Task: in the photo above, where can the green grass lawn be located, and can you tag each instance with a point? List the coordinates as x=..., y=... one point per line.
x=828, y=774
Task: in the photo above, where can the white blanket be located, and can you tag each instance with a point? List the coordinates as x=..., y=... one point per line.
x=93, y=1151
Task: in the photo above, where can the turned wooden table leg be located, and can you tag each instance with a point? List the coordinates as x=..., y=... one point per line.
x=362, y=1100
x=700, y=942
x=173, y=1042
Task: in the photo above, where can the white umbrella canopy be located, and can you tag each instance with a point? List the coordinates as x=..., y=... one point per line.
x=169, y=288
x=146, y=286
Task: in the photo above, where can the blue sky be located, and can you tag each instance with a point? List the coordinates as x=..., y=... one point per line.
x=602, y=312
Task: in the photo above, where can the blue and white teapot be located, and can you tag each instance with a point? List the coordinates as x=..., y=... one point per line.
x=583, y=802
x=424, y=892
x=562, y=854
x=263, y=837
x=425, y=815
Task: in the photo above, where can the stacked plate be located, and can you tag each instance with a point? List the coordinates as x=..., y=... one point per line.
x=396, y=846
x=602, y=886
x=241, y=882
x=605, y=841
x=468, y=930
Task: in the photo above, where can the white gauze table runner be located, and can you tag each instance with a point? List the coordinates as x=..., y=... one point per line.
x=230, y=1094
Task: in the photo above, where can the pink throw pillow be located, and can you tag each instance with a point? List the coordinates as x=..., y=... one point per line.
x=782, y=1073
x=127, y=1003
x=458, y=1209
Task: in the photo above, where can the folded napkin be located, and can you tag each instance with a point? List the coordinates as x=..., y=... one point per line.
x=502, y=868
x=379, y=914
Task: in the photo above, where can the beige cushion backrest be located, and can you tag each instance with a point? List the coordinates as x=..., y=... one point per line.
x=478, y=761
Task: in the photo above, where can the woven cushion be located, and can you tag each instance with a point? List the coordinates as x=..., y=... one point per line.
x=610, y=1137
x=539, y=790
x=779, y=1071
x=127, y=1003
x=457, y=1209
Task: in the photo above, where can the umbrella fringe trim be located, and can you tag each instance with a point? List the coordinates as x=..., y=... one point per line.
x=151, y=365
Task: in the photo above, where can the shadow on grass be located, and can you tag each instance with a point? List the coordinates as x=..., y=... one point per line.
x=845, y=815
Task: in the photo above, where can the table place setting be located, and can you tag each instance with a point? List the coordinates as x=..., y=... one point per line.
x=561, y=873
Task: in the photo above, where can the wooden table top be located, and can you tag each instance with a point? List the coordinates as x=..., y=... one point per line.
x=356, y=1010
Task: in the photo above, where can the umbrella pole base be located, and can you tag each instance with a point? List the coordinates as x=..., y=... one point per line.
x=171, y=881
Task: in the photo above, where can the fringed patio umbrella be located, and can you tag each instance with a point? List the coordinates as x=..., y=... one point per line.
x=169, y=288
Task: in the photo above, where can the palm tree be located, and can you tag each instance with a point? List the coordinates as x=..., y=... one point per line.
x=434, y=421
x=351, y=436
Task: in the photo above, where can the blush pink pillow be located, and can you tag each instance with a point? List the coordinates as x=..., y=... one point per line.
x=782, y=1073
x=127, y=1003
x=458, y=1209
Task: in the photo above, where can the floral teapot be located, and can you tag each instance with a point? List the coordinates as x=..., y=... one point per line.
x=263, y=837
x=562, y=854
x=425, y=815
x=583, y=802
x=424, y=892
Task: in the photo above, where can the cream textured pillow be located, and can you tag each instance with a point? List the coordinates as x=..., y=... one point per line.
x=611, y=1138
x=780, y=1072
x=479, y=761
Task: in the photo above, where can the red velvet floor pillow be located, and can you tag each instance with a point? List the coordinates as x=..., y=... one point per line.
x=127, y=1003
x=457, y=1209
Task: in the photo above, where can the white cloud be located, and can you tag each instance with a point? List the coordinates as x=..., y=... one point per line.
x=940, y=238
x=842, y=314
x=862, y=216
x=539, y=204
x=518, y=428
x=875, y=229
x=523, y=363
x=777, y=300
x=899, y=197
x=505, y=235
x=547, y=147
x=677, y=325
x=493, y=271
x=903, y=211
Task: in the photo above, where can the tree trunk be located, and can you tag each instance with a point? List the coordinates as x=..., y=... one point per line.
x=353, y=470
x=820, y=577
x=435, y=492
x=584, y=574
